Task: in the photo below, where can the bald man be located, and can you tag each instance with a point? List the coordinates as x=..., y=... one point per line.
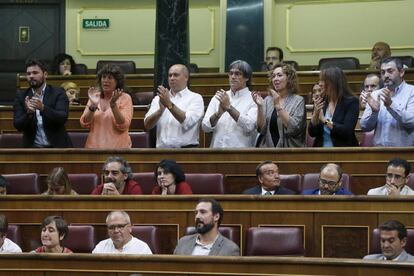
x=380, y=51
x=176, y=112
x=372, y=82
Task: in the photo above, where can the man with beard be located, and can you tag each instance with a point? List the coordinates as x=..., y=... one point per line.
x=40, y=112
x=330, y=182
x=207, y=240
x=117, y=179
x=379, y=51
x=390, y=111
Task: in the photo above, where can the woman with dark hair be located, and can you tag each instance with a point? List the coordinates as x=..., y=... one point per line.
x=54, y=232
x=170, y=179
x=109, y=111
x=281, y=116
x=58, y=183
x=63, y=64
x=336, y=114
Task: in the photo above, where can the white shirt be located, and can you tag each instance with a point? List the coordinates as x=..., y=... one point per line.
x=40, y=138
x=170, y=132
x=9, y=247
x=384, y=191
x=134, y=246
x=227, y=132
x=265, y=191
x=202, y=249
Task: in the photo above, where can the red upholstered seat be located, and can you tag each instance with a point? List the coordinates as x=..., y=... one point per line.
x=367, y=139
x=345, y=63
x=14, y=234
x=274, y=241
x=292, y=182
x=127, y=66
x=311, y=181
x=81, y=238
x=376, y=244
x=83, y=183
x=206, y=183
x=23, y=183
x=411, y=181
x=149, y=234
x=78, y=138
x=146, y=181
x=140, y=139
x=11, y=140
x=230, y=232
x=144, y=98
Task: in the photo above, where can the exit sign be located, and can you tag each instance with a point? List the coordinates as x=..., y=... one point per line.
x=95, y=23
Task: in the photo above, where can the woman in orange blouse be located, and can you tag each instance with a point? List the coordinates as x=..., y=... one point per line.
x=109, y=111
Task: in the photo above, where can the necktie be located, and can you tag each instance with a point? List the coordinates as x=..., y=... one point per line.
x=268, y=193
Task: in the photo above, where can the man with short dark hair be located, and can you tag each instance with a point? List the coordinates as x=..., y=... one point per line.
x=330, y=182
x=207, y=240
x=371, y=83
x=6, y=245
x=267, y=174
x=231, y=115
x=41, y=111
x=176, y=112
x=274, y=55
x=390, y=110
x=393, y=238
x=396, y=179
x=120, y=240
x=117, y=179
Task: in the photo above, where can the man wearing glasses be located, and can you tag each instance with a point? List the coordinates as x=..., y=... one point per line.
x=117, y=179
x=120, y=239
x=396, y=179
x=330, y=182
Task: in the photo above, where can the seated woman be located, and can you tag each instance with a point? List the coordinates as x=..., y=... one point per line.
x=54, y=231
x=63, y=64
x=281, y=116
x=170, y=179
x=109, y=111
x=58, y=183
x=336, y=114
x=72, y=92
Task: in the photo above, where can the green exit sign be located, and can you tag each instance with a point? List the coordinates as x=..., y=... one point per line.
x=95, y=23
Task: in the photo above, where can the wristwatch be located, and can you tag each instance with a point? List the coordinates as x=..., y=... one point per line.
x=170, y=107
x=93, y=108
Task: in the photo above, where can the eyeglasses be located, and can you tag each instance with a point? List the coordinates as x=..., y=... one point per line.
x=327, y=182
x=113, y=227
x=395, y=176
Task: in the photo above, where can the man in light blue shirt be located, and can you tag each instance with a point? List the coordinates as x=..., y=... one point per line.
x=390, y=111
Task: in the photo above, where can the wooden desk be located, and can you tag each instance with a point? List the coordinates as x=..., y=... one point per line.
x=87, y=264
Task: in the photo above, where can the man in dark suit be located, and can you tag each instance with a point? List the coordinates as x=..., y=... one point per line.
x=41, y=111
x=207, y=240
x=393, y=238
x=330, y=182
x=267, y=174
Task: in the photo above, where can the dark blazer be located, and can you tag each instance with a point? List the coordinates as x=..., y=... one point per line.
x=341, y=191
x=55, y=114
x=221, y=247
x=257, y=190
x=344, y=121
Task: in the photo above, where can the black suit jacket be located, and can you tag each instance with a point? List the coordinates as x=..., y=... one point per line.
x=257, y=190
x=344, y=121
x=55, y=114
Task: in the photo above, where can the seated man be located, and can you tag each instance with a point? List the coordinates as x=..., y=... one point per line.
x=379, y=51
x=120, y=239
x=117, y=179
x=393, y=238
x=207, y=240
x=3, y=185
x=390, y=111
x=396, y=179
x=371, y=83
x=6, y=245
x=267, y=174
x=274, y=55
x=330, y=182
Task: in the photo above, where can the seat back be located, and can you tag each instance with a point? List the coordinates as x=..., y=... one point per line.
x=292, y=182
x=81, y=69
x=140, y=139
x=274, y=241
x=367, y=139
x=83, y=183
x=127, y=66
x=149, y=234
x=81, y=238
x=411, y=181
x=206, y=183
x=78, y=139
x=406, y=60
x=311, y=181
x=144, y=98
x=23, y=183
x=230, y=232
x=146, y=181
x=376, y=243
x=345, y=63
x=309, y=140
x=14, y=234
x=11, y=140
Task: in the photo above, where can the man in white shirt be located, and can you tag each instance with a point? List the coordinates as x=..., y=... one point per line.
x=120, y=239
x=396, y=179
x=231, y=115
x=393, y=238
x=177, y=112
x=6, y=245
x=371, y=83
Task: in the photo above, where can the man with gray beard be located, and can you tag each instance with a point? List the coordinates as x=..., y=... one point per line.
x=207, y=240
